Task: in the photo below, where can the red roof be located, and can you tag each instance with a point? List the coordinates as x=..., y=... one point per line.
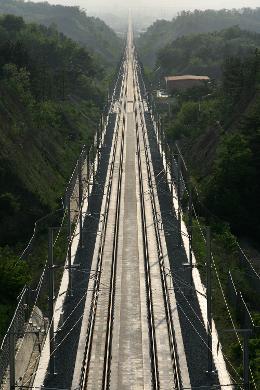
x=186, y=77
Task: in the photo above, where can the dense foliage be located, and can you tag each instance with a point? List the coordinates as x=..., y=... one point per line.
x=163, y=32
x=205, y=53
x=217, y=127
x=91, y=32
x=52, y=92
x=229, y=119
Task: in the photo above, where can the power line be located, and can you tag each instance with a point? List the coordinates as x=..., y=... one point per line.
x=201, y=231
x=247, y=259
x=197, y=332
x=197, y=316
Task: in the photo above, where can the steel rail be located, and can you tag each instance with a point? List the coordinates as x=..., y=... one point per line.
x=151, y=321
x=170, y=326
x=96, y=287
x=109, y=331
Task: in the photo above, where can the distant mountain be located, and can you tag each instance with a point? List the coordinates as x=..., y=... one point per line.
x=142, y=17
x=118, y=23
x=163, y=32
x=91, y=32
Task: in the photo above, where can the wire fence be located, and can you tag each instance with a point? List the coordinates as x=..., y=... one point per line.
x=30, y=323
x=232, y=298
x=192, y=208
x=16, y=328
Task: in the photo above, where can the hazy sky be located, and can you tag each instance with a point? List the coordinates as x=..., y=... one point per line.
x=113, y=5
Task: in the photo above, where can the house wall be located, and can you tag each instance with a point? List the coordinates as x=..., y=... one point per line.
x=178, y=85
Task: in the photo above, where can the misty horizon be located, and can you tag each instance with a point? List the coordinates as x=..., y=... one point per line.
x=143, y=5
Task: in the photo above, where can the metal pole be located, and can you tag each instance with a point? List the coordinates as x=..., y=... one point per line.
x=88, y=171
x=80, y=201
x=12, y=359
x=51, y=301
x=166, y=162
x=93, y=159
x=209, y=303
x=179, y=197
x=98, y=135
x=159, y=131
x=161, y=135
x=156, y=118
x=69, y=249
x=163, y=139
x=190, y=232
x=245, y=333
x=246, y=361
x=101, y=126
x=172, y=170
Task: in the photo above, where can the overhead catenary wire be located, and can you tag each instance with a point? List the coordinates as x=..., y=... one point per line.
x=38, y=288
x=162, y=152
x=248, y=261
x=192, y=309
x=194, y=327
x=224, y=297
x=197, y=332
x=120, y=121
x=213, y=260
x=70, y=312
x=57, y=347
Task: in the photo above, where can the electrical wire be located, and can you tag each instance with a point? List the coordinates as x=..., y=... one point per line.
x=249, y=261
x=193, y=310
x=197, y=332
x=215, y=267
x=69, y=316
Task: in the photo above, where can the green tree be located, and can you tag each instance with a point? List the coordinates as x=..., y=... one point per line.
x=13, y=23
x=14, y=274
x=231, y=183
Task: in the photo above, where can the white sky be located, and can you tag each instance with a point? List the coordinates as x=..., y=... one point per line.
x=113, y=5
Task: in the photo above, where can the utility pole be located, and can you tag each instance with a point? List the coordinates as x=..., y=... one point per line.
x=93, y=160
x=98, y=142
x=88, y=172
x=101, y=126
x=172, y=170
x=12, y=358
x=246, y=369
x=209, y=302
x=190, y=231
x=159, y=131
x=51, y=301
x=161, y=135
x=69, y=246
x=179, y=197
x=80, y=199
x=246, y=358
x=166, y=162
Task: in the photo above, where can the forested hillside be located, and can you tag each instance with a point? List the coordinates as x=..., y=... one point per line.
x=204, y=53
x=51, y=95
x=163, y=32
x=218, y=122
x=91, y=32
x=217, y=129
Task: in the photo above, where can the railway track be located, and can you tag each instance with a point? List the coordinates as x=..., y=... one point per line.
x=160, y=352
x=118, y=143
x=141, y=128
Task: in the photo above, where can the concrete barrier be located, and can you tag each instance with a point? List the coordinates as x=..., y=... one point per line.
x=28, y=349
